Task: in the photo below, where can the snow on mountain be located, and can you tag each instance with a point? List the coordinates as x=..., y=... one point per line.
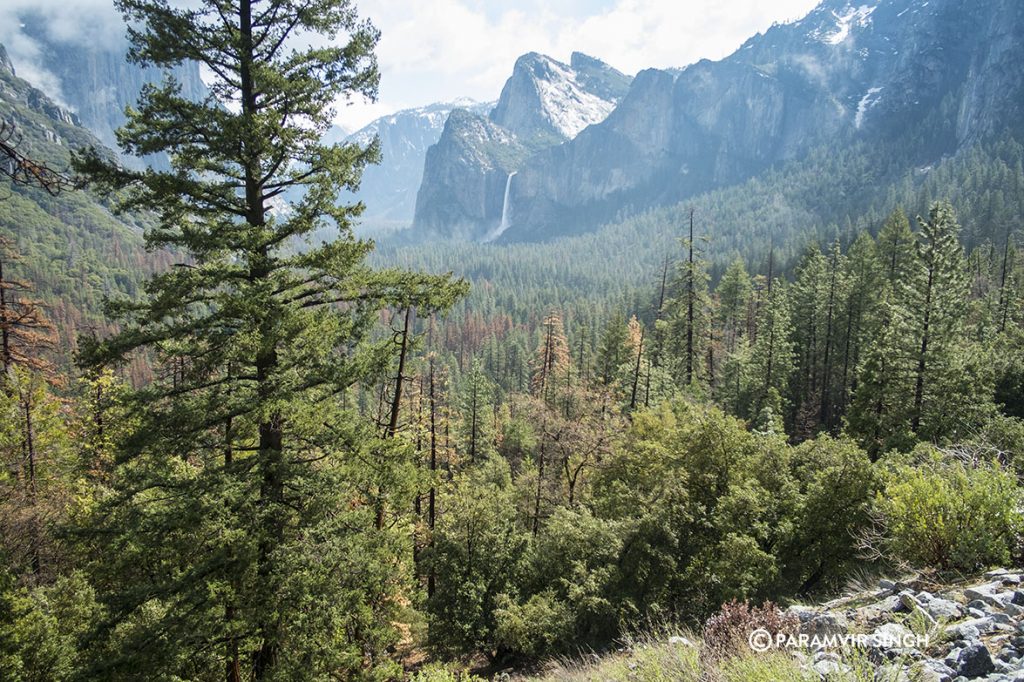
x=851, y=17
x=548, y=101
x=566, y=104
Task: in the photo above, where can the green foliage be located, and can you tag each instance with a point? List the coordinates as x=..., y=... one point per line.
x=949, y=515
x=477, y=558
x=534, y=630
x=42, y=630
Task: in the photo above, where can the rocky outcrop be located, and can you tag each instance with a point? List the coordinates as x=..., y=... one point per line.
x=465, y=177
x=97, y=82
x=389, y=189
x=544, y=103
x=965, y=632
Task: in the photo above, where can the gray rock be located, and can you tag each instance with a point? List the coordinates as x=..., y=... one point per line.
x=967, y=632
x=944, y=608
x=932, y=671
x=1007, y=654
x=886, y=585
x=1017, y=598
x=975, y=661
x=826, y=668
x=892, y=636
x=1001, y=618
x=1002, y=667
x=817, y=624
x=992, y=594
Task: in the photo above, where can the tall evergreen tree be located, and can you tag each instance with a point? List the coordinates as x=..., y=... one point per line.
x=244, y=497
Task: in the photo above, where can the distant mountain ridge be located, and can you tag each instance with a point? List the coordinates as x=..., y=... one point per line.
x=934, y=74
x=389, y=188
x=74, y=249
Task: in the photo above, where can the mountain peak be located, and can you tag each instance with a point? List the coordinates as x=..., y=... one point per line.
x=550, y=101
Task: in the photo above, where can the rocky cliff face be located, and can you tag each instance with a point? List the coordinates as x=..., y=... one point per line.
x=544, y=103
x=97, y=82
x=547, y=102
x=465, y=175
x=940, y=72
x=389, y=188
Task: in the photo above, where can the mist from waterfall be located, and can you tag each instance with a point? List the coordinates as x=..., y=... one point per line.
x=505, y=216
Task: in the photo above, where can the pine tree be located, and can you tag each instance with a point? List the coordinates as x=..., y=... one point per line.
x=808, y=311
x=771, y=355
x=26, y=335
x=734, y=293
x=243, y=494
x=933, y=299
x=865, y=291
x=895, y=247
x=477, y=409
x=614, y=350
x=688, y=315
x=551, y=360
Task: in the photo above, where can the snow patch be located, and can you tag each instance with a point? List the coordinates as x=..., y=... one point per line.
x=869, y=100
x=566, y=105
x=852, y=17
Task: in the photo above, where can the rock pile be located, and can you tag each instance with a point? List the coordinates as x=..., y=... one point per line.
x=970, y=632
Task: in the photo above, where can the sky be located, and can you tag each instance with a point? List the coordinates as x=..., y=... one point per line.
x=439, y=50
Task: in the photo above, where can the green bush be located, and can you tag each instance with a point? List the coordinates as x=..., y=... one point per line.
x=949, y=515
x=534, y=630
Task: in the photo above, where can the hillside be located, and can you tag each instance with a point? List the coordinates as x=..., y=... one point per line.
x=74, y=250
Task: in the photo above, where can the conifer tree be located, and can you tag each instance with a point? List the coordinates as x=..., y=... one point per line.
x=895, y=247
x=551, y=359
x=771, y=355
x=614, y=350
x=477, y=413
x=733, y=297
x=933, y=297
x=245, y=493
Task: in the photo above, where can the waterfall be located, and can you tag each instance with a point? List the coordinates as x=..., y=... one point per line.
x=505, y=217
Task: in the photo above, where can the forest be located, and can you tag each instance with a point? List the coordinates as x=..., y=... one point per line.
x=284, y=458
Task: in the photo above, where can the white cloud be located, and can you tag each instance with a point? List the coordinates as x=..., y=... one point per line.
x=82, y=22
x=435, y=50
x=441, y=49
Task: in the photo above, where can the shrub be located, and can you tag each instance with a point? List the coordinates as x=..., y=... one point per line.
x=726, y=633
x=533, y=630
x=949, y=515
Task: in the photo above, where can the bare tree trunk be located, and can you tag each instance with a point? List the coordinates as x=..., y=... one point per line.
x=396, y=403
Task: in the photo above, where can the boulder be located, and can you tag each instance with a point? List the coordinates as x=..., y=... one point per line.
x=818, y=624
x=943, y=608
x=975, y=661
x=932, y=671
